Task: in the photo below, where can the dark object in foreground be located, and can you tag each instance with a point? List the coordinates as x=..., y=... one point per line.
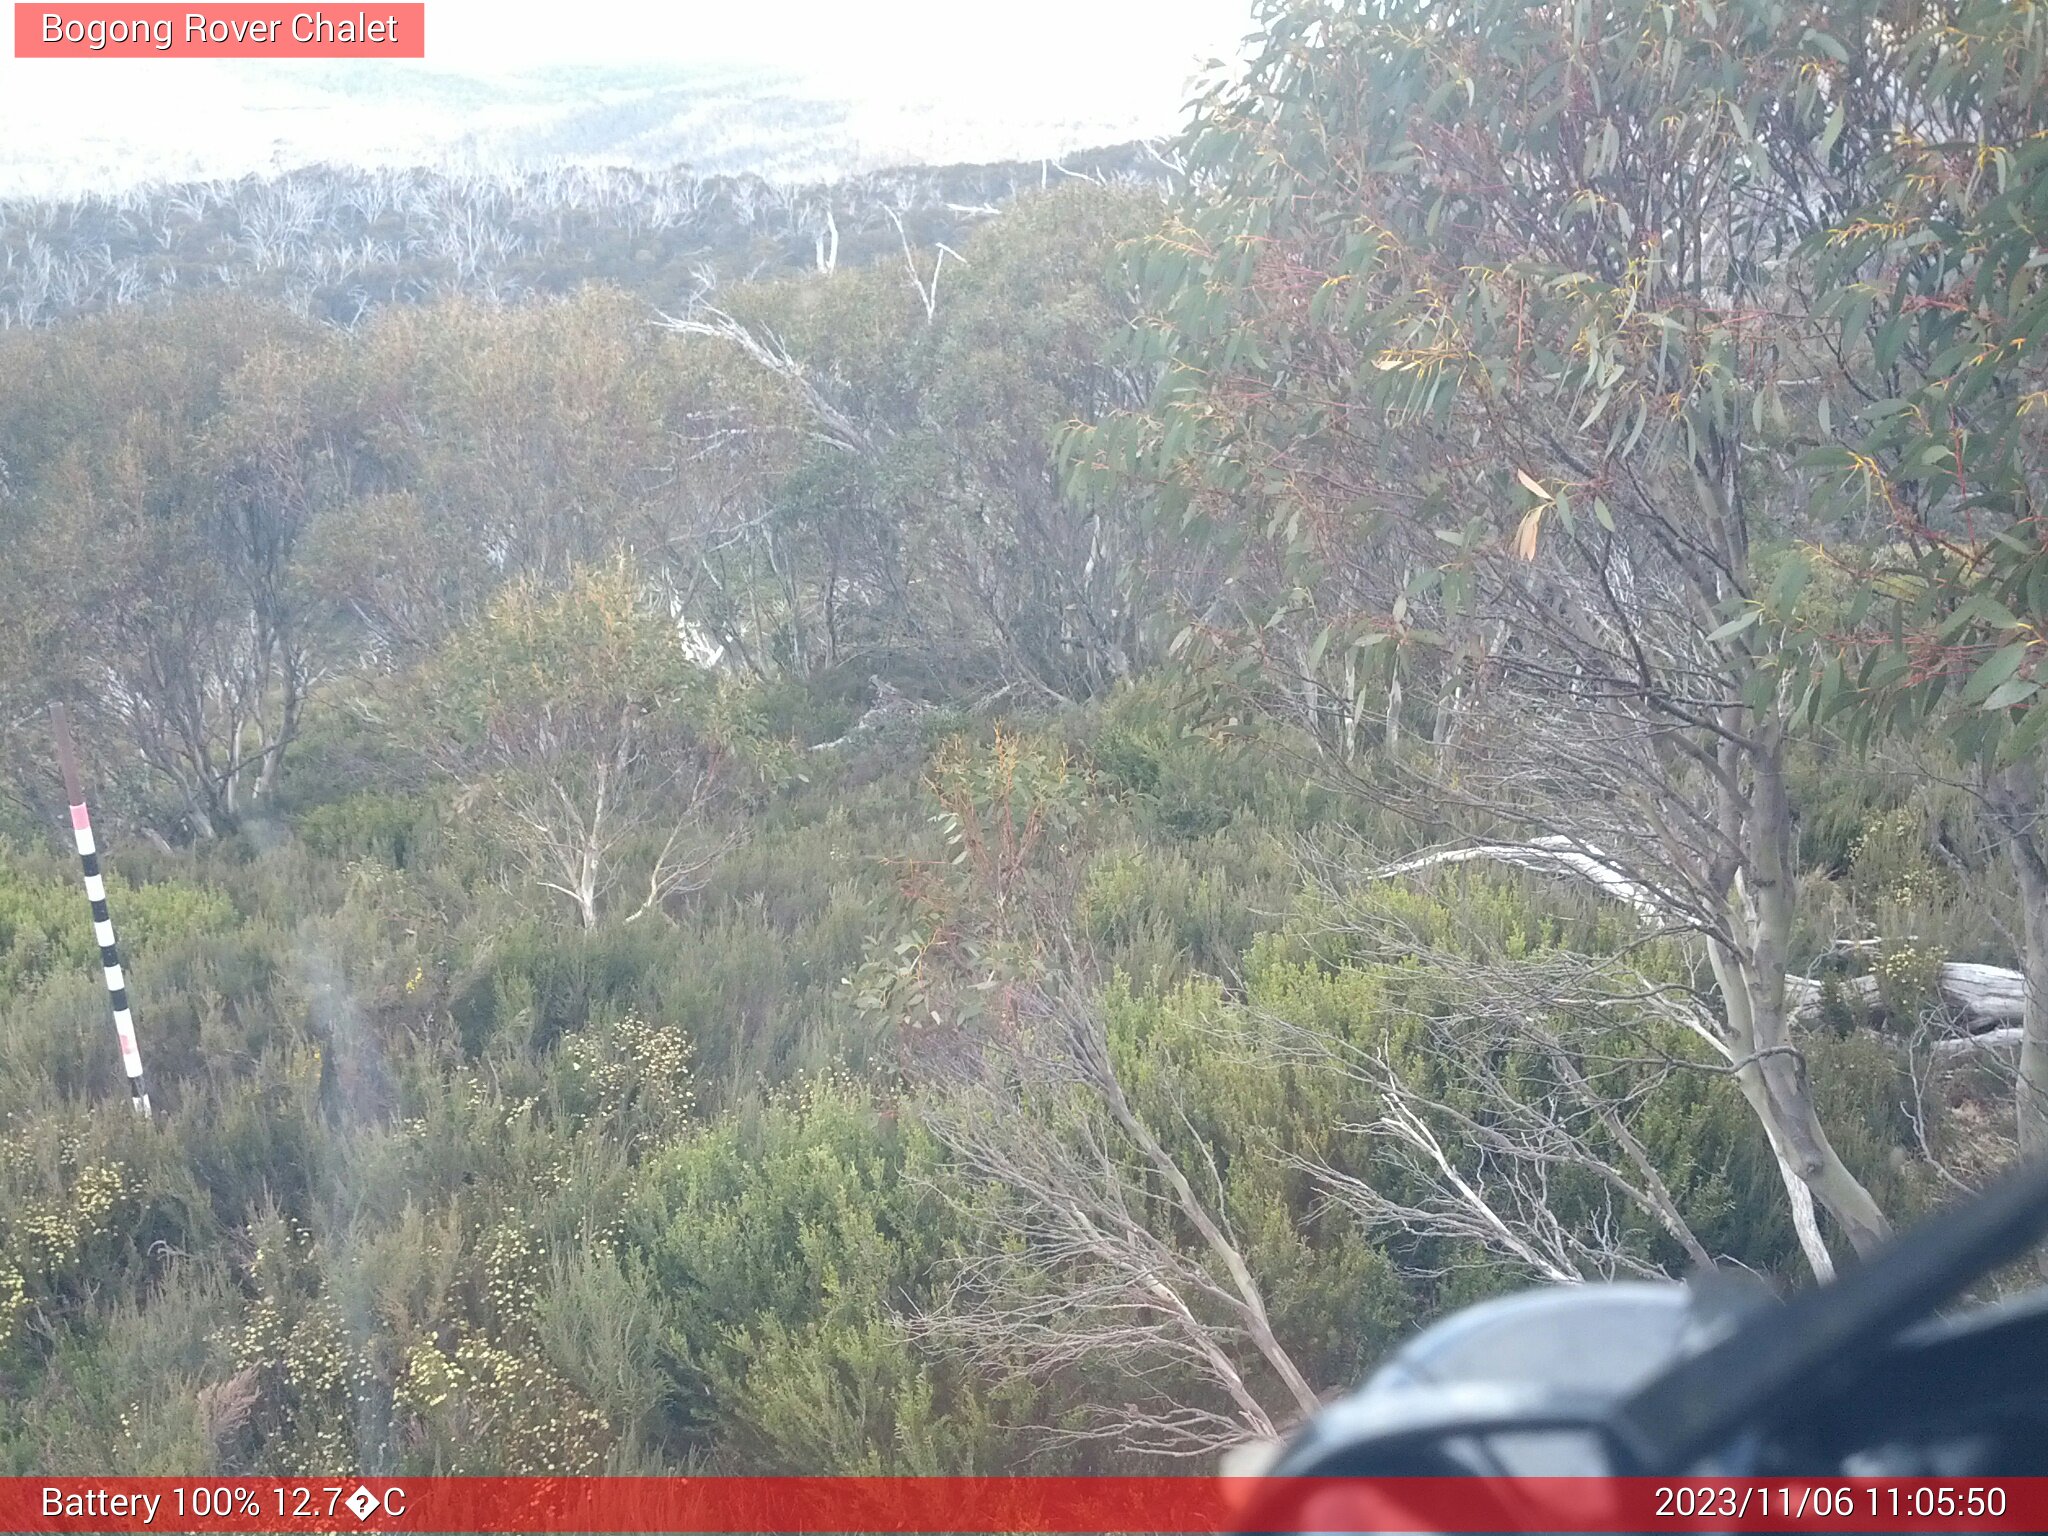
x=1716, y=1378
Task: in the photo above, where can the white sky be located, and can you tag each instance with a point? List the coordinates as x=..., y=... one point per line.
x=1122, y=65
x=911, y=37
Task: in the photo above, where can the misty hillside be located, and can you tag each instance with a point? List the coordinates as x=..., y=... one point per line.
x=333, y=242
x=717, y=120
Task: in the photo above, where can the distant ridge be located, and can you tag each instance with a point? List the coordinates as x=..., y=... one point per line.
x=335, y=242
x=717, y=119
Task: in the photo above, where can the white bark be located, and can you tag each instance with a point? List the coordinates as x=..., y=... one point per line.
x=1553, y=855
x=1983, y=997
x=1805, y=1224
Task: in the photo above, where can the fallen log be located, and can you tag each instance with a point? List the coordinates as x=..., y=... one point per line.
x=1988, y=1002
x=1551, y=855
x=2004, y=1037
x=1983, y=996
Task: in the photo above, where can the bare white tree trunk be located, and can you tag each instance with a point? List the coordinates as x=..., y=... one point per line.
x=2019, y=809
x=1095, y=1269
x=1747, y=947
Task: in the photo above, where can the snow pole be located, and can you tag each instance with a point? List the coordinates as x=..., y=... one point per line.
x=102, y=924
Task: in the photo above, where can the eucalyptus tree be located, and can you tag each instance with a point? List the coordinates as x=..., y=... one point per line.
x=169, y=464
x=1934, y=475
x=892, y=453
x=1489, y=333
x=578, y=732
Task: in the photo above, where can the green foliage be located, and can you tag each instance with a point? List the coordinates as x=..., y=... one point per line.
x=578, y=658
x=1936, y=469
x=1191, y=776
x=794, y=1244
x=470, y=1160
x=42, y=933
x=1159, y=911
x=1340, y=206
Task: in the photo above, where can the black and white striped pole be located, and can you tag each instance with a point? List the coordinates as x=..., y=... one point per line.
x=102, y=924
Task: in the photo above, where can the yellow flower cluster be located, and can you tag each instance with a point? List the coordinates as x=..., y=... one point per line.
x=632, y=1063
x=1908, y=975
x=511, y=1270
x=13, y=1299
x=1890, y=861
x=488, y=1400
x=50, y=1232
x=312, y=1377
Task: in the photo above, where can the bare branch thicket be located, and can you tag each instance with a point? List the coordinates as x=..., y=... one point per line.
x=1122, y=1256
x=1537, y=1064
x=831, y=424
x=1767, y=1066
x=574, y=798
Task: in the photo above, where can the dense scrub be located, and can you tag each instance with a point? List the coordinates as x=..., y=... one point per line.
x=442, y=1181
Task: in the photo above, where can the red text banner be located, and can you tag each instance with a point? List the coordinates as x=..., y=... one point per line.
x=1020, y=1504
x=377, y=31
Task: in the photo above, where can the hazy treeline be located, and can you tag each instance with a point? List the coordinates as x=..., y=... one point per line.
x=334, y=242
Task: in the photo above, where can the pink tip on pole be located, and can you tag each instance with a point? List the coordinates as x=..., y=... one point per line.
x=80, y=821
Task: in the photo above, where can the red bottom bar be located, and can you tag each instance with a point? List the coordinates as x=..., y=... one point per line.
x=1021, y=1504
